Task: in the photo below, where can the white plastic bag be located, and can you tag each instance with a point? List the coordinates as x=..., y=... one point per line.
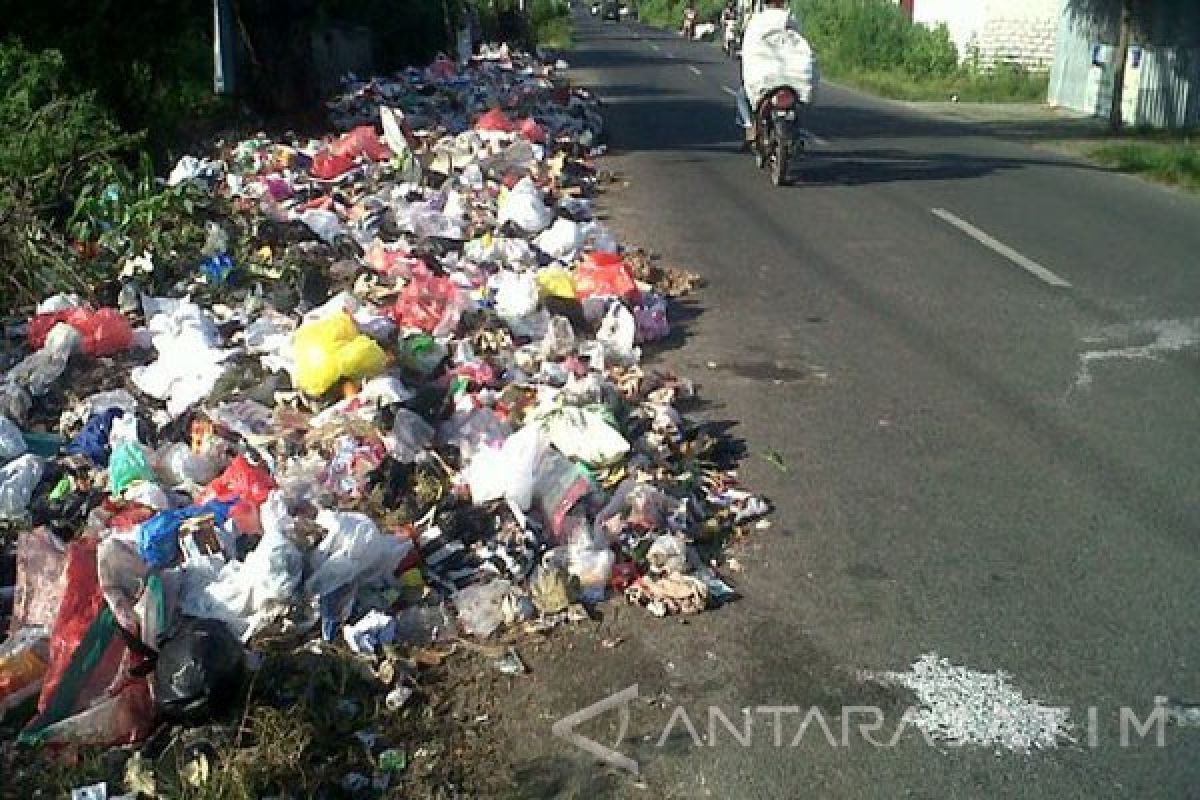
x=562, y=240
x=516, y=294
x=524, y=207
x=352, y=549
x=559, y=341
x=18, y=479
x=618, y=331
x=507, y=471
x=780, y=58
x=585, y=435
x=12, y=441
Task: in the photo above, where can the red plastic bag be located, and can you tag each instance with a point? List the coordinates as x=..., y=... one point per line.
x=430, y=303
x=606, y=274
x=326, y=166
x=362, y=140
x=104, y=332
x=91, y=694
x=529, y=128
x=248, y=484
x=495, y=120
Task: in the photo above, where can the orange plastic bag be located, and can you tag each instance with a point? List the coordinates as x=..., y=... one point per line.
x=606, y=274
x=326, y=166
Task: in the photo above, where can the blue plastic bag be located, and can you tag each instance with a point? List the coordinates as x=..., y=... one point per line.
x=158, y=537
x=92, y=441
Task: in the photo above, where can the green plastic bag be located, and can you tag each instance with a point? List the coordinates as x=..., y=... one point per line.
x=128, y=465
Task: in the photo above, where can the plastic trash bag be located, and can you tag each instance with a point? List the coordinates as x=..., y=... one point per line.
x=516, y=294
x=179, y=465
x=12, y=441
x=507, y=471
x=246, y=486
x=326, y=350
x=142, y=604
x=562, y=240
x=92, y=441
x=103, y=332
x=327, y=166
x=429, y=303
x=367, y=634
x=584, y=434
x=617, y=334
x=352, y=549
x=127, y=464
x=558, y=486
x=559, y=341
x=91, y=694
x=362, y=140
x=483, y=607
x=249, y=596
x=39, y=370
x=556, y=282
x=158, y=537
x=421, y=353
x=198, y=671
x=41, y=560
x=495, y=120
x=524, y=207
x=606, y=275
x=18, y=479
x=189, y=360
x=651, y=319
x=411, y=435
x=473, y=429
x=24, y=660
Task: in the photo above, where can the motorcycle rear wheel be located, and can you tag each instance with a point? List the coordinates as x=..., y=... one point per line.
x=781, y=163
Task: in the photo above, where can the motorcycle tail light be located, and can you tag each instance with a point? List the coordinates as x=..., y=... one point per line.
x=783, y=99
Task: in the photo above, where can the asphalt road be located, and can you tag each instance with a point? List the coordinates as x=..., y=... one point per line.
x=974, y=465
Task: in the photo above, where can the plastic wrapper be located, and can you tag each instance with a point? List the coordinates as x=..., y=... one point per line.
x=559, y=485
x=40, y=370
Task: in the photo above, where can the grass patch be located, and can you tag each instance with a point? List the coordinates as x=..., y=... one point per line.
x=556, y=34
x=1001, y=86
x=1171, y=160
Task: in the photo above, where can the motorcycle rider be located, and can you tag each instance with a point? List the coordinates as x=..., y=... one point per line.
x=729, y=17
x=774, y=16
x=689, y=20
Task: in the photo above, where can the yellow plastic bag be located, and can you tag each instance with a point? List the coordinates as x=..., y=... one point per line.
x=316, y=346
x=556, y=282
x=362, y=357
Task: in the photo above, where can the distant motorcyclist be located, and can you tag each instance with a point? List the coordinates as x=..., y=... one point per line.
x=689, y=20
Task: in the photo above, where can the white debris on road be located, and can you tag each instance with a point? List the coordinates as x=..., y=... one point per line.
x=1128, y=343
x=960, y=706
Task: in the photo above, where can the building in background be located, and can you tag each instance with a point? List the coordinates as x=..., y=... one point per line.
x=994, y=32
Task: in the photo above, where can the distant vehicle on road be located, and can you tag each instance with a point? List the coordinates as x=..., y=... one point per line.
x=610, y=9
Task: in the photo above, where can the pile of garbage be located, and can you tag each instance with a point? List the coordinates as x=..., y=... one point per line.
x=446, y=431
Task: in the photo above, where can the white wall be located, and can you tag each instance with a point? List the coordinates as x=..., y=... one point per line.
x=1002, y=30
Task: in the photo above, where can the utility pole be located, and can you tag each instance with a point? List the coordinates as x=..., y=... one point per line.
x=224, y=49
x=1121, y=56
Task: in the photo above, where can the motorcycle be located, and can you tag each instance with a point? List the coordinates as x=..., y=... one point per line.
x=729, y=38
x=689, y=23
x=777, y=132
